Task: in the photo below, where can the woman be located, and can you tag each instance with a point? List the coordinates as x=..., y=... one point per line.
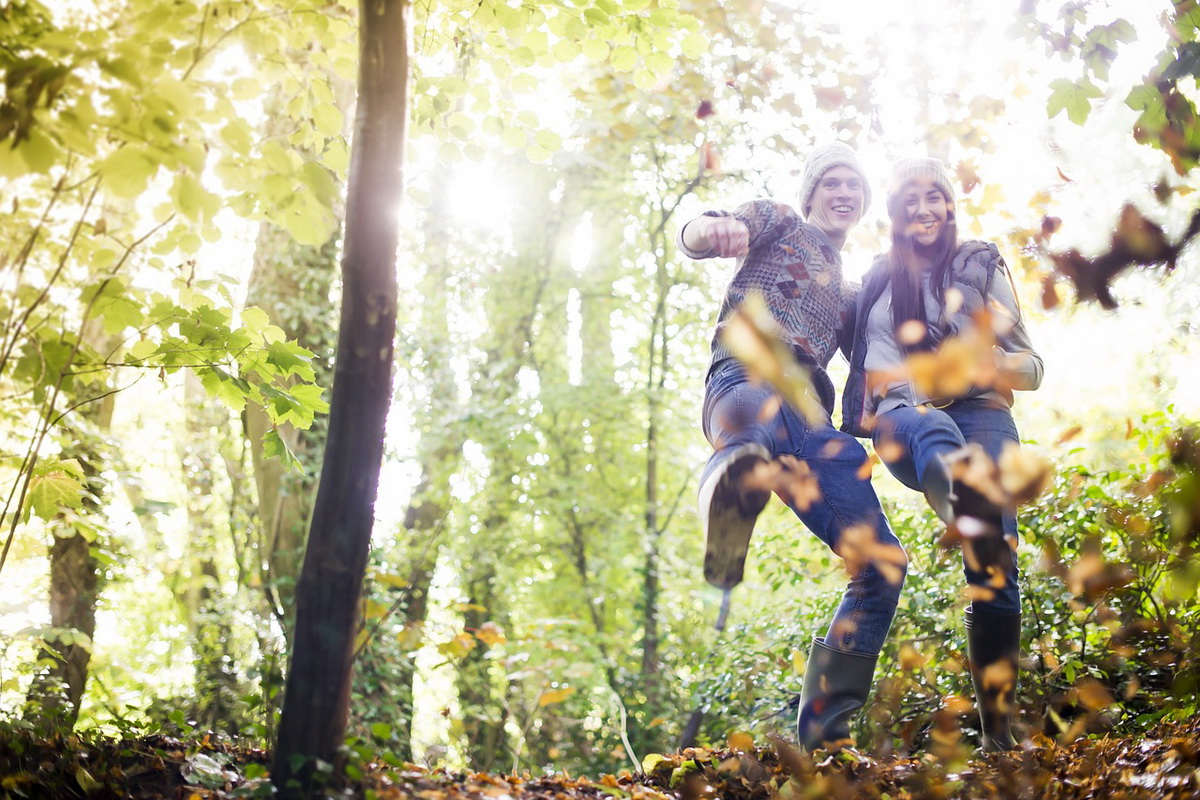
x=932, y=295
x=762, y=443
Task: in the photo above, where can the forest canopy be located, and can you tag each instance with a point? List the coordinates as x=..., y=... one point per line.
x=175, y=190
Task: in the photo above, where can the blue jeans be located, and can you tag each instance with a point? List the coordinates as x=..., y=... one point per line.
x=822, y=484
x=926, y=434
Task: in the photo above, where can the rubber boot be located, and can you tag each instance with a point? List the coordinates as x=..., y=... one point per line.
x=728, y=510
x=836, y=685
x=993, y=650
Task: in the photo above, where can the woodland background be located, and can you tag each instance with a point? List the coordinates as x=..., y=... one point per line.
x=174, y=175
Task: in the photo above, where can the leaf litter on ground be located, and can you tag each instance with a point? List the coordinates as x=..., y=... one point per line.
x=1163, y=763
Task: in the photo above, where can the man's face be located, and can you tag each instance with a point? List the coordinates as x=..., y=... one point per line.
x=837, y=202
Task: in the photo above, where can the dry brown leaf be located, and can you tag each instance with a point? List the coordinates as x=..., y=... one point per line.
x=1069, y=434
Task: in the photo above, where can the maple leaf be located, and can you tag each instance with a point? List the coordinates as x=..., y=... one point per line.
x=967, y=175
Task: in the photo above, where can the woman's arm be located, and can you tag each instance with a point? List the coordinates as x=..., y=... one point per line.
x=1018, y=366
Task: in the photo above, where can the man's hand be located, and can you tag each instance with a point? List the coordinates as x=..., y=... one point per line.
x=725, y=235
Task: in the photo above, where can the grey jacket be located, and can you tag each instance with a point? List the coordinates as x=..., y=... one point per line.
x=975, y=268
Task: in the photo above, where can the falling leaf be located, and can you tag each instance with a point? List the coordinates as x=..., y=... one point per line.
x=552, y=696
x=1069, y=434
x=1144, y=239
x=751, y=335
x=740, y=740
x=967, y=175
x=1063, y=176
x=1094, y=695
x=909, y=657
x=1024, y=475
x=911, y=332
x=1050, y=226
x=490, y=634
x=868, y=466
x=1050, y=299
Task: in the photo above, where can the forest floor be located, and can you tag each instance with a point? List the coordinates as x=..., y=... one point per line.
x=1163, y=763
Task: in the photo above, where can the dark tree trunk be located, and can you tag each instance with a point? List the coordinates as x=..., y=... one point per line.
x=56, y=692
x=317, y=699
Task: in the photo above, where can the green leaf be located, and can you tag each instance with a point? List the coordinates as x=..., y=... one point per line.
x=39, y=152
x=623, y=58
x=230, y=390
x=291, y=359
x=1072, y=96
x=246, y=89
x=123, y=69
x=141, y=351
x=55, y=487
x=328, y=119
x=193, y=200
x=275, y=447
x=254, y=319
x=595, y=50
x=322, y=183
x=565, y=50
x=523, y=57
x=694, y=45
x=549, y=140
x=239, y=136
x=119, y=313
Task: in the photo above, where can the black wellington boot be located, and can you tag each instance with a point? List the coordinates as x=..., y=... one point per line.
x=993, y=650
x=836, y=685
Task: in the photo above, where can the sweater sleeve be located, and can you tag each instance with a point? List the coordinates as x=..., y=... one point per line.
x=1022, y=365
x=763, y=220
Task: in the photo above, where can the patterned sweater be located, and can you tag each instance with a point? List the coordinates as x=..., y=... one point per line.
x=798, y=272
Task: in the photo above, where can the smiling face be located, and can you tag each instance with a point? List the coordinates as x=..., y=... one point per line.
x=926, y=210
x=836, y=204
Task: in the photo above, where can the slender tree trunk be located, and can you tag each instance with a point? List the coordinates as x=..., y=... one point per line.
x=480, y=692
x=291, y=282
x=316, y=704
x=440, y=447
x=202, y=601
x=56, y=693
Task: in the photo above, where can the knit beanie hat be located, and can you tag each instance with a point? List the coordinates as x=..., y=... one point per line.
x=819, y=162
x=907, y=169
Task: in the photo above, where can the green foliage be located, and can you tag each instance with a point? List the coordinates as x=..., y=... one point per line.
x=1111, y=622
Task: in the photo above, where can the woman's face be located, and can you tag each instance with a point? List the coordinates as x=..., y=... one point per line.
x=925, y=209
x=837, y=201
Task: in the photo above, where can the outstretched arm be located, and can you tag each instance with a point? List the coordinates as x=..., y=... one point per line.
x=723, y=237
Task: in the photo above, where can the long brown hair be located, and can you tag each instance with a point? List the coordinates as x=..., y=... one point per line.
x=907, y=260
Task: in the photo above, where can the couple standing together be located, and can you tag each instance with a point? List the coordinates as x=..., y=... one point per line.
x=929, y=288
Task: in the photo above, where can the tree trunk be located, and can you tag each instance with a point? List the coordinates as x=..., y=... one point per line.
x=440, y=449
x=316, y=703
x=56, y=693
x=203, y=604
x=291, y=282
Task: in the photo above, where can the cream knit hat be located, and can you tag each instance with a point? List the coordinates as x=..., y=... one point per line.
x=820, y=161
x=907, y=169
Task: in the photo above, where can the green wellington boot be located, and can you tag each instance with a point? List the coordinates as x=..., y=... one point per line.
x=836, y=685
x=993, y=650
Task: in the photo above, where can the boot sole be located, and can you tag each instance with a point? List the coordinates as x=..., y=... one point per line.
x=729, y=512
